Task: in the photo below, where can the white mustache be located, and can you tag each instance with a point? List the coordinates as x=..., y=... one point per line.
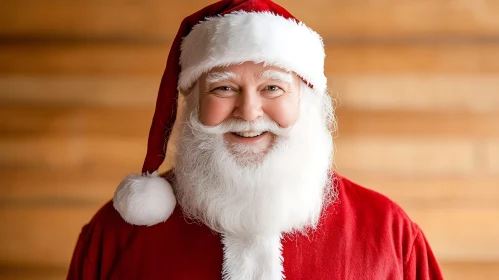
x=235, y=125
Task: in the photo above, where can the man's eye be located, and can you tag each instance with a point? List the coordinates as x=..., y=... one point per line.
x=273, y=88
x=223, y=91
x=223, y=88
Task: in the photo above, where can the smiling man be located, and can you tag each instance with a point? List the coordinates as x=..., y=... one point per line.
x=253, y=194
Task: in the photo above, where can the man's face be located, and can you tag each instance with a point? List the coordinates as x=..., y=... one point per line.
x=249, y=92
x=254, y=151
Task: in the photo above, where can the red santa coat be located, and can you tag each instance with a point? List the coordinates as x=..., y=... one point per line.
x=363, y=235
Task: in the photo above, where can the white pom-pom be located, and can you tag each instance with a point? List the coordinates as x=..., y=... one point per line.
x=144, y=200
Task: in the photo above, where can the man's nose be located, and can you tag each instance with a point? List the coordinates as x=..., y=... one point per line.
x=248, y=106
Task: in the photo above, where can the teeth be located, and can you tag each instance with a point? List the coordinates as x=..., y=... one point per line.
x=249, y=133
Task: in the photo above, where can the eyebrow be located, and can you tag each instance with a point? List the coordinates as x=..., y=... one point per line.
x=216, y=77
x=277, y=75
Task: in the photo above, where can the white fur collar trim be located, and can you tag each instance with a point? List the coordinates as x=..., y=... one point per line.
x=252, y=258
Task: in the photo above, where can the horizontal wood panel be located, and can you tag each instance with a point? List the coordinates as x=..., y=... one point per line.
x=126, y=121
x=74, y=152
x=79, y=90
x=87, y=58
x=68, y=121
x=150, y=59
x=492, y=156
x=452, y=123
x=407, y=156
x=41, y=236
x=460, y=234
x=439, y=192
x=31, y=272
x=65, y=186
x=87, y=19
x=397, y=58
x=31, y=237
x=470, y=270
x=160, y=19
x=451, y=271
x=467, y=93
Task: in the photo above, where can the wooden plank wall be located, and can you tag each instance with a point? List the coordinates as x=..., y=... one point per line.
x=416, y=83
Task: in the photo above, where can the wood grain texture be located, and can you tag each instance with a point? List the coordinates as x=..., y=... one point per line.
x=460, y=234
x=68, y=121
x=76, y=151
x=84, y=19
x=424, y=92
x=25, y=187
x=96, y=59
x=79, y=90
x=407, y=156
x=491, y=155
x=30, y=272
x=411, y=57
x=452, y=123
x=438, y=192
x=156, y=19
x=470, y=270
x=41, y=236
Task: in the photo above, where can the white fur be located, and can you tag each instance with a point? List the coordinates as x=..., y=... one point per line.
x=249, y=258
x=144, y=200
x=277, y=76
x=252, y=36
x=217, y=77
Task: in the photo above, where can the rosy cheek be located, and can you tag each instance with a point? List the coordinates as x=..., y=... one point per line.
x=284, y=111
x=214, y=110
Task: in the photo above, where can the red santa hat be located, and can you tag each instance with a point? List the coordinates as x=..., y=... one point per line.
x=225, y=33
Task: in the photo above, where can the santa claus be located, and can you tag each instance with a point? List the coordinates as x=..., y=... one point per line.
x=252, y=194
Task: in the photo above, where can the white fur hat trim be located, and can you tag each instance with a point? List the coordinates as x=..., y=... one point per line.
x=252, y=36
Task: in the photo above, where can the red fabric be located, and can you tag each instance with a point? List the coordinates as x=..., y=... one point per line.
x=362, y=236
x=166, y=103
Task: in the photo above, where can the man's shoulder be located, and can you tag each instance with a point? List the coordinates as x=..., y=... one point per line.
x=364, y=197
x=368, y=205
x=369, y=219
x=108, y=231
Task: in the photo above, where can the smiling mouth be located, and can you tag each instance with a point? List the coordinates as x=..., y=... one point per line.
x=248, y=134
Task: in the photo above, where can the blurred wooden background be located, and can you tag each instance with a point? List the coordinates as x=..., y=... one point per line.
x=416, y=81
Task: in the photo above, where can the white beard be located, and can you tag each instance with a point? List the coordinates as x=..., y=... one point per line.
x=283, y=191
